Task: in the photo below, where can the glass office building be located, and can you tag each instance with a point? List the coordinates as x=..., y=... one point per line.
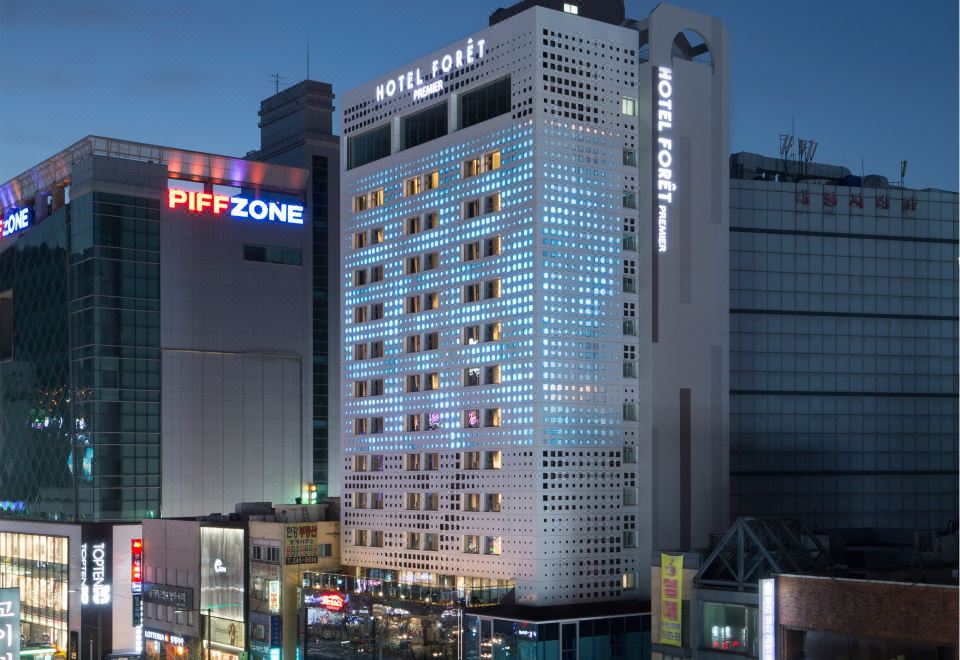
x=843, y=323
x=155, y=346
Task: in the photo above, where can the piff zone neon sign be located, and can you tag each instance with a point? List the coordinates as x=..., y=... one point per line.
x=236, y=206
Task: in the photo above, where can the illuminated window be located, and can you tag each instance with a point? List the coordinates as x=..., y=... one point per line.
x=471, y=459
x=432, y=461
x=412, y=186
x=491, y=374
x=360, y=352
x=413, y=540
x=471, y=420
x=376, y=387
x=471, y=376
x=629, y=454
x=471, y=251
x=359, y=277
x=491, y=246
x=629, y=580
x=413, y=501
x=413, y=344
x=430, y=221
x=492, y=417
x=432, y=180
x=360, y=388
x=376, y=501
x=360, y=537
x=492, y=502
x=629, y=538
x=376, y=425
x=413, y=383
x=376, y=537
x=412, y=305
x=359, y=314
x=359, y=203
x=629, y=285
x=376, y=198
x=491, y=331
x=432, y=502
x=360, y=463
x=359, y=500
x=412, y=225
x=376, y=349
x=431, y=260
x=471, y=335
x=360, y=426
x=471, y=209
x=492, y=545
x=359, y=240
x=432, y=341
x=412, y=462
x=433, y=424
x=376, y=463
x=376, y=235
x=376, y=273
x=413, y=425
x=491, y=161
x=412, y=265
x=629, y=158
x=471, y=167
x=430, y=542
x=492, y=289
x=494, y=460
x=629, y=199
x=431, y=300
x=628, y=106
x=571, y=8
x=471, y=502
x=376, y=311
x=431, y=381
x=471, y=544
x=491, y=203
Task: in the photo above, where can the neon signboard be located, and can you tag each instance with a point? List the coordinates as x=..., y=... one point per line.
x=332, y=601
x=424, y=85
x=17, y=220
x=235, y=206
x=663, y=156
x=136, y=565
x=94, y=587
x=768, y=620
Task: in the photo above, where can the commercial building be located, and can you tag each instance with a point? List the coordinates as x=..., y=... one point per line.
x=231, y=583
x=843, y=320
x=155, y=343
x=296, y=128
x=534, y=274
x=78, y=584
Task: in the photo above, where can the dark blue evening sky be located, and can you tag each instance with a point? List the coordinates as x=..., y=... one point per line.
x=873, y=80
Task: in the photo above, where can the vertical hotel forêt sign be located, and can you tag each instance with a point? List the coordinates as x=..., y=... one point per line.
x=663, y=183
x=671, y=599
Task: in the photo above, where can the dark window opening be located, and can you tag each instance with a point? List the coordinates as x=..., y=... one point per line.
x=368, y=147
x=423, y=126
x=485, y=102
x=273, y=255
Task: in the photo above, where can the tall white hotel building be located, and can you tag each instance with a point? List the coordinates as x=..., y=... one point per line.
x=535, y=299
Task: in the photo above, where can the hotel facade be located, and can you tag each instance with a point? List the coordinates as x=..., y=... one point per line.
x=534, y=278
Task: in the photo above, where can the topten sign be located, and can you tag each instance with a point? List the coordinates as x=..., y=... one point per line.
x=236, y=206
x=431, y=84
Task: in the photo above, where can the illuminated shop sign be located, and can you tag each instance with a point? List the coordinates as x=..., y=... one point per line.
x=663, y=154
x=10, y=623
x=332, y=601
x=768, y=620
x=94, y=586
x=136, y=565
x=425, y=83
x=274, y=592
x=17, y=220
x=236, y=206
x=162, y=594
x=165, y=637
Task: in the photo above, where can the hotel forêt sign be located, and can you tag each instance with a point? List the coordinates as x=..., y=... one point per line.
x=428, y=80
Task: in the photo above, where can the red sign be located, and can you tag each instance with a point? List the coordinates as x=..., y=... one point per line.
x=136, y=564
x=332, y=601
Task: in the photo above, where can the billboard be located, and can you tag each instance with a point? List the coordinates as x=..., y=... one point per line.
x=671, y=599
x=10, y=623
x=222, y=572
x=300, y=544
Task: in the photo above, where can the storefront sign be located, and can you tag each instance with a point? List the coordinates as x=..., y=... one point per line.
x=165, y=637
x=237, y=206
x=94, y=569
x=663, y=153
x=768, y=619
x=10, y=623
x=274, y=595
x=300, y=544
x=17, y=220
x=419, y=81
x=332, y=601
x=162, y=594
x=136, y=565
x=226, y=632
x=671, y=599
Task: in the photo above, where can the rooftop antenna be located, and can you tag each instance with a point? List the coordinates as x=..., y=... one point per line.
x=277, y=80
x=308, y=60
x=903, y=172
